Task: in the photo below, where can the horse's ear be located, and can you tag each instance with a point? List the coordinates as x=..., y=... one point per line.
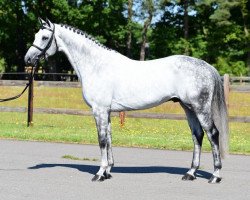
x=49, y=23
x=42, y=22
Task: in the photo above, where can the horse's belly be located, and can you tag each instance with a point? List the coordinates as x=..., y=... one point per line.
x=139, y=101
x=127, y=106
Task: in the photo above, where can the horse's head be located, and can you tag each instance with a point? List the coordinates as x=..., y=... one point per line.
x=44, y=44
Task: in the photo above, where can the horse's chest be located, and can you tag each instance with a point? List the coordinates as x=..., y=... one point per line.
x=97, y=93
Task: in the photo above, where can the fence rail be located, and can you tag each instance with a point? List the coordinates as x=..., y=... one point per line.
x=69, y=77
x=240, y=79
x=233, y=87
x=243, y=119
x=73, y=77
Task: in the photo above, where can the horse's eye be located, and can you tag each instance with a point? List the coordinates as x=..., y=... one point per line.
x=44, y=38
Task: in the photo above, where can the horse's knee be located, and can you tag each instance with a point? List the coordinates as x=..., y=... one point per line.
x=102, y=142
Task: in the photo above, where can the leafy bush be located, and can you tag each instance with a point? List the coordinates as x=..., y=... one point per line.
x=237, y=68
x=2, y=65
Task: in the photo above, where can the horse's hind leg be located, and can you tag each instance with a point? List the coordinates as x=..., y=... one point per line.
x=197, y=135
x=213, y=136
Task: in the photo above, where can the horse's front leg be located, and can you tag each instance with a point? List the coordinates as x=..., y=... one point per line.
x=107, y=173
x=102, y=116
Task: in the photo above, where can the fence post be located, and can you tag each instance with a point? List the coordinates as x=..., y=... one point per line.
x=30, y=100
x=226, y=85
x=122, y=118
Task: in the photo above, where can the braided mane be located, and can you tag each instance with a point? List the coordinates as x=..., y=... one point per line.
x=80, y=32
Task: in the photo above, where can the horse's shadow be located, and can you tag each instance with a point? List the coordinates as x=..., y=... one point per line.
x=92, y=169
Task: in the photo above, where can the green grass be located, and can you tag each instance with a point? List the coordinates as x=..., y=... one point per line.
x=70, y=157
x=147, y=133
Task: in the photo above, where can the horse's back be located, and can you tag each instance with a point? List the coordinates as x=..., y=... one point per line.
x=171, y=73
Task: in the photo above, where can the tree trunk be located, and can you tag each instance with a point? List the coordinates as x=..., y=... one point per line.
x=53, y=69
x=144, y=35
x=186, y=25
x=21, y=47
x=244, y=15
x=149, y=6
x=248, y=59
x=129, y=38
x=186, y=19
x=244, y=12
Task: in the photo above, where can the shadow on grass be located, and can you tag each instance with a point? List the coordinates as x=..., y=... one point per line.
x=92, y=169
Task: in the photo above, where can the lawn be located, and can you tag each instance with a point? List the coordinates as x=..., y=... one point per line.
x=147, y=133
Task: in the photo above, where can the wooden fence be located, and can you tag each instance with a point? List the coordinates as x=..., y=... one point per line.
x=238, y=84
x=243, y=119
x=241, y=84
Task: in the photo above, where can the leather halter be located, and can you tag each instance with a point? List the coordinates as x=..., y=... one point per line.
x=44, y=50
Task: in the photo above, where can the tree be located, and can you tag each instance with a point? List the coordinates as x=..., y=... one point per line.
x=230, y=47
x=244, y=6
x=13, y=25
x=129, y=28
x=148, y=9
x=214, y=30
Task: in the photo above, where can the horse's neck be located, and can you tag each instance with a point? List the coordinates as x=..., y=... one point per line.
x=84, y=54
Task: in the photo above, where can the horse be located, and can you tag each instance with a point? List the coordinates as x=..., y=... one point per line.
x=112, y=82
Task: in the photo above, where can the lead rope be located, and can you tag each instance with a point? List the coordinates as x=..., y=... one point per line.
x=32, y=73
x=31, y=76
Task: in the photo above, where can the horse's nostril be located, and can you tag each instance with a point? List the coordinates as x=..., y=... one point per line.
x=28, y=61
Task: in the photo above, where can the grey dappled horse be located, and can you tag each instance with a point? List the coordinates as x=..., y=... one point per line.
x=113, y=82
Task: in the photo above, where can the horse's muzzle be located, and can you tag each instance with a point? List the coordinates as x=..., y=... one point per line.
x=31, y=58
x=31, y=62
x=27, y=61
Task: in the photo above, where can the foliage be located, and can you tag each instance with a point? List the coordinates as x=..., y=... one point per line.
x=224, y=65
x=2, y=65
x=216, y=31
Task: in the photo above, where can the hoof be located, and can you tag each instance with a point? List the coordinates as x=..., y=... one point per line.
x=188, y=177
x=98, y=178
x=214, y=179
x=107, y=175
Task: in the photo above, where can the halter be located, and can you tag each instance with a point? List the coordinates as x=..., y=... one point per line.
x=43, y=51
x=34, y=68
